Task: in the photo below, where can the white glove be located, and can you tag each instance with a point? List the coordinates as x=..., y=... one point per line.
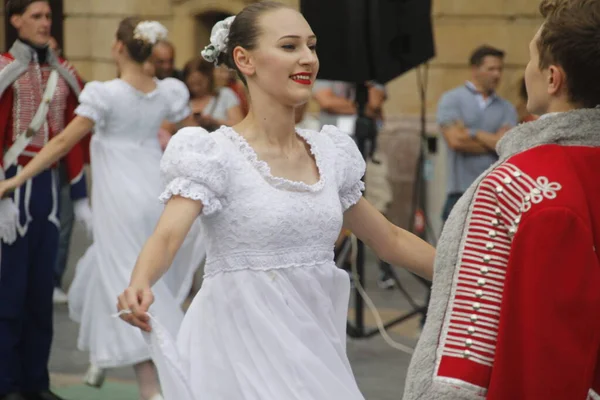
x=9, y=217
x=83, y=215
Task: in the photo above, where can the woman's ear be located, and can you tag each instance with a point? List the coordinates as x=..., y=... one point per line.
x=243, y=59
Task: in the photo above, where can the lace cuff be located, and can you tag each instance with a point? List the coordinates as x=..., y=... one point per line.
x=195, y=191
x=94, y=103
x=87, y=111
x=351, y=195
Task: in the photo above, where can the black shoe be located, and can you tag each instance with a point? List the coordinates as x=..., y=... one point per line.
x=43, y=395
x=12, y=396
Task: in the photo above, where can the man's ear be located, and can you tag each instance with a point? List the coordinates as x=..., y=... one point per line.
x=16, y=21
x=556, y=79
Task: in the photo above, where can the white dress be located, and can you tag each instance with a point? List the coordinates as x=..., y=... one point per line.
x=269, y=322
x=126, y=182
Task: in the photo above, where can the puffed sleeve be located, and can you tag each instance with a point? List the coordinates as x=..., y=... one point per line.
x=350, y=167
x=94, y=103
x=178, y=97
x=194, y=166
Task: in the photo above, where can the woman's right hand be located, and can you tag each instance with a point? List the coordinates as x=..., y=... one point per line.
x=133, y=306
x=8, y=186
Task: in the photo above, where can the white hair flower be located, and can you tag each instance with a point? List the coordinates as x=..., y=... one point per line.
x=150, y=31
x=219, y=39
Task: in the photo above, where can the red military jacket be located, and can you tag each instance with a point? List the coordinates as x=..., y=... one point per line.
x=22, y=84
x=515, y=308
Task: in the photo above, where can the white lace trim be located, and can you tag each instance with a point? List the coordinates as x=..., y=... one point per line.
x=351, y=166
x=265, y=260
x=352, y=196
x=265, y=171
x=192, y=190
x=87, y=111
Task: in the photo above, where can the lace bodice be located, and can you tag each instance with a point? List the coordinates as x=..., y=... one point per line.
x=122, y=113
x=253, y=219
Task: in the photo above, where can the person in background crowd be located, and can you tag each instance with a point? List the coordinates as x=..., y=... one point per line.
x=163, y=57
x=473, y=118
x=211, y=106
x=224, y=77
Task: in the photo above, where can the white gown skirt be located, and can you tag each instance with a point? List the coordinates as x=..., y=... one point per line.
x=260, y=335
x=126, y=185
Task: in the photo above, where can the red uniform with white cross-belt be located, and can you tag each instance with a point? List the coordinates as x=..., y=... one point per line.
x=516, y=292
x=27, y=263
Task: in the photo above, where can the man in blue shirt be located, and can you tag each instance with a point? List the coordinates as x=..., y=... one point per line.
x=473, y=118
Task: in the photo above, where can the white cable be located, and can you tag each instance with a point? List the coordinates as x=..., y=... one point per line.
x=398, y=346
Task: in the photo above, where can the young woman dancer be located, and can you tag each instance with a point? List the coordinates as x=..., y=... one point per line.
x=270, y=320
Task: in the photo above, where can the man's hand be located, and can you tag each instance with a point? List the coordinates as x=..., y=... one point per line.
x=458, y=139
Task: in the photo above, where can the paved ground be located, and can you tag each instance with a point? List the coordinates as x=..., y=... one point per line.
x=379, y=369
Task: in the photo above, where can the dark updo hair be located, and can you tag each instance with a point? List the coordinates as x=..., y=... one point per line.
x=18, y=7
x=139, y=50
x=245, y=30
x=202, y=66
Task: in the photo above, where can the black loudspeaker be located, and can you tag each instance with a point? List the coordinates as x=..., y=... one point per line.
x=361, y=40
x=371, y=40
x=402, y=36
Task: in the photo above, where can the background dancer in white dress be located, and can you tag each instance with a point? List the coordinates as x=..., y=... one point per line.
x=125, y=114
x=269, y=322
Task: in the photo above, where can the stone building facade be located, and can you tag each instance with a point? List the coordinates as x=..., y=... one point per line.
x=460, y=25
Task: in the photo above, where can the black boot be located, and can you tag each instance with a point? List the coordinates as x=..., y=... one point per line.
x=42, y=395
